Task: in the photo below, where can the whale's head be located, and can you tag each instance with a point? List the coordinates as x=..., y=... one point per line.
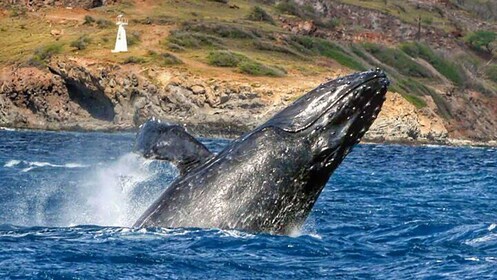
x=334, y=117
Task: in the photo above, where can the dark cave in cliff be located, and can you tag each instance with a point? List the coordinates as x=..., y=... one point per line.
x=95, y=103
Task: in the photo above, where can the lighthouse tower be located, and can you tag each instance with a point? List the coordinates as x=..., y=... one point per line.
x=121, y=43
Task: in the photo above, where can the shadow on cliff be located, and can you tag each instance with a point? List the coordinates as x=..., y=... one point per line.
x=97, y=104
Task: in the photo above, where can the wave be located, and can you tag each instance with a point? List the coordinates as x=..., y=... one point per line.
x=30, y=165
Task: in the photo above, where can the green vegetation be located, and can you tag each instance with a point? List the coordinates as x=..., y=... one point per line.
x=134, y=38
x=225, y=58
x=482, y=40
x=397, y=59
x=222, y=30
x=412, y=86
x=244, y=64
x=104, y=23
x=442, y=105
x=170, y=59
x=259, y=14
x=185, y=39
x=491, y=72
x=18, y=12
x=134, y=60
x=417, y=101
x=306, y=12
x=88, y=20
x=427, y=20
x=43, y=54
x=325, y=48
x=81, y=43
x=258, y=69
x=272, y=47
x=165, y=59
x=288, y=7
x=450, y=70
x=337, y=53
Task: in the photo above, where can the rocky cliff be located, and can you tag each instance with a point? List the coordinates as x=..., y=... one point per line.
x=39, y=4
x=86, y=95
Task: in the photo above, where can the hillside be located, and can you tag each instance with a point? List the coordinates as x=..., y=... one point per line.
x=225, y=66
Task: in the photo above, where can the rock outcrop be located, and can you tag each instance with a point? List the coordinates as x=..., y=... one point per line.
x=400, y=121
x=84, y=95
x=93, y=96
x=39, y=4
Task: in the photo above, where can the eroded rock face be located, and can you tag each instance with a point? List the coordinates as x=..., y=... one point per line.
x=400, y=121
x=38, y=4
x=86, y=95
x=379, y=26
x=78, y=94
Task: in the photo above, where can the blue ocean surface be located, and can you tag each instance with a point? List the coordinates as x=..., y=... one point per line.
x=68, y=200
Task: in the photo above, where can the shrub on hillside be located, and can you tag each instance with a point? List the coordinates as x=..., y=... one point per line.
x=311, y=45
x=104, y=23
x=491, y=72
x=225, y=58
x=259, y=14
x=18, y=12
x=482, y=40
x=245, y=64
x=268, y=46
x=258, y=69
x=164, y=58
x=288, y=7
x=397, y=59
x=43, y=54
x=186, y=39
x=88, y=20
x=221, y=30
x=170, y=59
x=448, y=69
x=134, y=60
x=81, y=43
x=417, y=101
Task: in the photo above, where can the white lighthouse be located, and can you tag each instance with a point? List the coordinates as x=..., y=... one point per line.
x=121, y=42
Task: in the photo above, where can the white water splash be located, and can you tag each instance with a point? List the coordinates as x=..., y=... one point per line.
x=107, y=194
x=30, y=165
x=111, y=193
x=12, y=163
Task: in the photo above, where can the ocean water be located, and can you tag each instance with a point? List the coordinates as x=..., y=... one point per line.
x=67, y=201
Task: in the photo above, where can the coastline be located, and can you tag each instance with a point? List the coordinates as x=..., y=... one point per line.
x=203, y=131
x=84, y=95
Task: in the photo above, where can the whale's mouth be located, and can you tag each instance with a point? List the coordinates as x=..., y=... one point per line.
x=356, y=108
x=341, y=97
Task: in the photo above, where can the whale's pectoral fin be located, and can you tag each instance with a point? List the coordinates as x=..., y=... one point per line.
x=160, y=140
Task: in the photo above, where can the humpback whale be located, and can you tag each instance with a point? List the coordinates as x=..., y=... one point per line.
x=269, y=179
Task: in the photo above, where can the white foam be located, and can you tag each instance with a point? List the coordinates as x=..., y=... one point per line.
x=12, y=163
x=492, y=227
x=107, y=195
x=34, y=164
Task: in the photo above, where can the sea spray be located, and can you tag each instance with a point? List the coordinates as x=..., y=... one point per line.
x=114, y=194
